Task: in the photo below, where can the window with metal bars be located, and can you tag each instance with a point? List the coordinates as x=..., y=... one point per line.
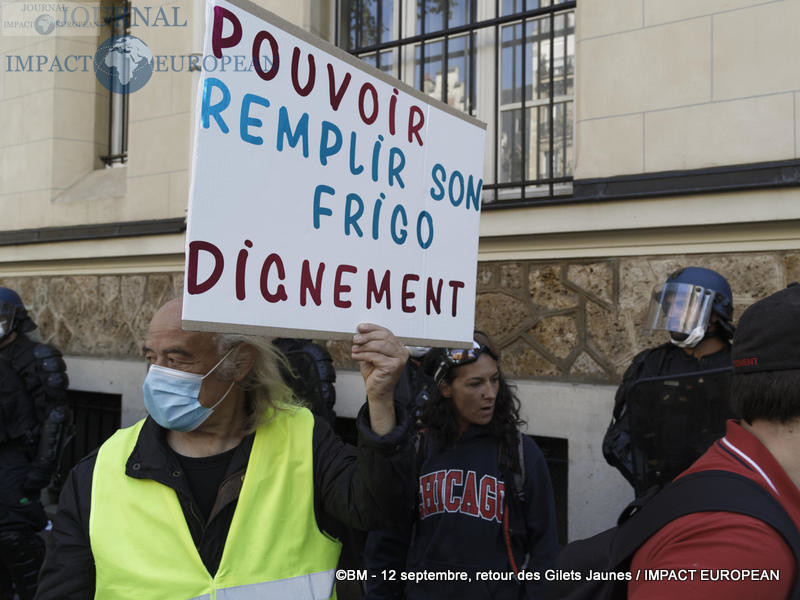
x=117, y=19
x=510, y=63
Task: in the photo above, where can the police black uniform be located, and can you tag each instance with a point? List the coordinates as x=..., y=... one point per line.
x=33, y=418
x=686, y=305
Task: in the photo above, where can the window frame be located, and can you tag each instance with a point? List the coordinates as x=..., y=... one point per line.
x=482, y=28
x=117, y=154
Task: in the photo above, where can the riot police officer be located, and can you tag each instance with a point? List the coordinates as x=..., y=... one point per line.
x=33, y=418
x=672, y=402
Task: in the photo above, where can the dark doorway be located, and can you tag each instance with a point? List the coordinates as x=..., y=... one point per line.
x=95, y=417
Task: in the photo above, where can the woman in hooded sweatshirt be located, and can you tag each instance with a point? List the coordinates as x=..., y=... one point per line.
x=485, y=502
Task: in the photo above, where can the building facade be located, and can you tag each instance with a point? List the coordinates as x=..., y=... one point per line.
x=625, y=138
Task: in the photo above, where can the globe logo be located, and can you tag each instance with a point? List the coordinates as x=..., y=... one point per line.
x=123, y=64
x=44, y=24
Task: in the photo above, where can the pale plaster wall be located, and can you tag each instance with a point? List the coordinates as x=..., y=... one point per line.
x=685, y=85
x=53, y=128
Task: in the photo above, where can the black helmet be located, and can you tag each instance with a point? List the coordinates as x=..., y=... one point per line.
x=13, y=314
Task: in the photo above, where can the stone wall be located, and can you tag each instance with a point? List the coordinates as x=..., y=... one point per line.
x=565, y=320
x=105, y=316
x=582, y=320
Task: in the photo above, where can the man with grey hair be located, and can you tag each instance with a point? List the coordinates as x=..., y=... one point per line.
x=228, y=489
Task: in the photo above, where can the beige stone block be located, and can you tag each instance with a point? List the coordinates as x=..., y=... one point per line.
x=557, y=334
x=101, y=129
x=612, y=333
x=33, y=291
x=159, y=145
x=26, y=119
x=154, y=21
x=511, y=276
x=11, y=207
x=638, y=276
x=546, y=289
x=796, y=126
x=596, y=279
x=107, y=210
x=168, y=40
x=63, y=214
x=521, y=360
x=294, y=12
x=610, y=16
x=658, y=11
x=148, y=198
x=607, y=147
x=101, y=192
x=499, y=315
x=34, y=210
x=791, y=267
x=26, y=167
x=486, y=274
x=72, y=160
x=184, y=88
x=752, y=276
x=154, y=100
x=647, y=69
x=721, y=133
x=13, y=44
x=751, y=49
x=78, y=73
x=27, y=73
x=74, y=116
x=178, y=193
x=586, y=366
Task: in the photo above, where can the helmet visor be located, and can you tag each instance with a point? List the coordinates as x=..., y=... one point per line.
x=7, y=312
x=679, y=308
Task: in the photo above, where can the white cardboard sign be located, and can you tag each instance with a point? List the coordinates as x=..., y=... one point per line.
x=325, y=193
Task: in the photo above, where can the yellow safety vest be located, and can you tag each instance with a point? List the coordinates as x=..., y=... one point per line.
x=142, y=546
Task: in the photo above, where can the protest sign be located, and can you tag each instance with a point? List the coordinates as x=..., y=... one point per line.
x=325, y=193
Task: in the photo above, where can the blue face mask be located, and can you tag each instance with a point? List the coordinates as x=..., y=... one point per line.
x=171, y=397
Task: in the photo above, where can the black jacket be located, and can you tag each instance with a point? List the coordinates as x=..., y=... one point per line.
x=667, y=359
x=19, y=506
x=43, y=377
x=364, y=487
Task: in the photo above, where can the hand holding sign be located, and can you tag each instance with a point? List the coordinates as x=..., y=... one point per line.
x=382, y=358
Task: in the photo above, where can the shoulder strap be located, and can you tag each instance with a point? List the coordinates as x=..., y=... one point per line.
x=423, y=448
x=519, y=478
x=702, y=492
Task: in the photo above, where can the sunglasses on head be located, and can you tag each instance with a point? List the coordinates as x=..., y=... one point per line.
x=456, y=357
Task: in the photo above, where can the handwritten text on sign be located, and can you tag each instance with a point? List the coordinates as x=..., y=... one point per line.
x=325, y=193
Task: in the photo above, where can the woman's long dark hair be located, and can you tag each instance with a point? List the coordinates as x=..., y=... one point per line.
x=439, y=413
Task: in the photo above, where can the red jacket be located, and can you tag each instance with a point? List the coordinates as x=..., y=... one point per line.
x=729, y=553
